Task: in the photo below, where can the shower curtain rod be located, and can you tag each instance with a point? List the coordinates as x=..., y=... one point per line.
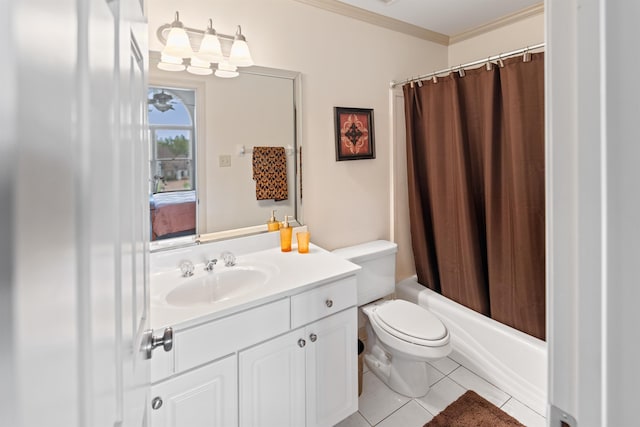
x=393, y=84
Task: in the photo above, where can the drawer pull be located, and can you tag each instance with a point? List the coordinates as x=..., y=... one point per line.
x=313, y=337
x=301, y=342
x=329, y=303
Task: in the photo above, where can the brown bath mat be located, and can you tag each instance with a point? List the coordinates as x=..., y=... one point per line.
x=471, y=410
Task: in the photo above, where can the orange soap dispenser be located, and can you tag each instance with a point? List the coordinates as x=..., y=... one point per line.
x=285, y=235
x=273, y=224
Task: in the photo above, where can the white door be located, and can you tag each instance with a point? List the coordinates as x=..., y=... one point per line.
x=272, y=382
x=592, y=103
x=204, y=397
x=332, y=369
x=133, y=189
x=77, y=273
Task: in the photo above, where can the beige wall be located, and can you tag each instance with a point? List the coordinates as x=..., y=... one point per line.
x=526, y=32
x=344, y=62
x=349, y=63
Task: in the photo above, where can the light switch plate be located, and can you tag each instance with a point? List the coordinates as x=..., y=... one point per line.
x=224, y=161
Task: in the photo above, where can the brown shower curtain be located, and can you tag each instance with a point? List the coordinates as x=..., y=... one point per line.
x=475, y=163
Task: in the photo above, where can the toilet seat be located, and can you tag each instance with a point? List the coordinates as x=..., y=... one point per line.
x=411, y=323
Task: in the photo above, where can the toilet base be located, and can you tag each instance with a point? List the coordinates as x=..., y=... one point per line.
x=404, y=376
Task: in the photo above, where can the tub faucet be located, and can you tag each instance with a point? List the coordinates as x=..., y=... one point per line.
x=209, y=264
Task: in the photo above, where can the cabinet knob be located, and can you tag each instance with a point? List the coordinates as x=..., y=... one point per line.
x=313, y=337
x=301, y=342
x=329, y=303
x=156, y=403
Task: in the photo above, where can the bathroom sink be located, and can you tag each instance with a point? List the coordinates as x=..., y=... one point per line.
x=222, y=284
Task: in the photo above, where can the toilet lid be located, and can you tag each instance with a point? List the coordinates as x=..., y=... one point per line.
x=399, y=316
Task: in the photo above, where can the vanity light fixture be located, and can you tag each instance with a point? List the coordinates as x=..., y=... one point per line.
x=226, y=70
x=210, y=48
x=240, y=55
x=228, y=52
x=170, y=63
x=178, y=44
x=199, y=67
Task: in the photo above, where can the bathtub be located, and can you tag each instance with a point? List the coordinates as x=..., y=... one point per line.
x=511, y=360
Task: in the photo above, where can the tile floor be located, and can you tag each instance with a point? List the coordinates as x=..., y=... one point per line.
x=382, y=407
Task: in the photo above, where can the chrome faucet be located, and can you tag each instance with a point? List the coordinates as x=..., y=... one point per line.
x=209, y=264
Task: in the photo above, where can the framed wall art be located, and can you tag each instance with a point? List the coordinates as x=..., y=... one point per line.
x=354, y=133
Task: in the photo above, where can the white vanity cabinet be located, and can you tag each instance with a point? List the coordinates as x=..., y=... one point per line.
x=307, y=377
x=332, y=369
x=195, y=384
x=286, y=362
x=204, y=397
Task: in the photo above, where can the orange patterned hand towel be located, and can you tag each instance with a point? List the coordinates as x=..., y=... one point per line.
x=270, y=173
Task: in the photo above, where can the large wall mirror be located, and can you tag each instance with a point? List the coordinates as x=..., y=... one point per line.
x=204, y=134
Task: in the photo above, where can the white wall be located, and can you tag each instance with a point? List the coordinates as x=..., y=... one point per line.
x=344, y=62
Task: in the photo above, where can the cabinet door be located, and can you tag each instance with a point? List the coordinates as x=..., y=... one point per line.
x=204, y=397
x=332, y=369
x=272, y=383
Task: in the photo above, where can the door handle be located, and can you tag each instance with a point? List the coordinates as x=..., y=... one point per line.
x=149, y=342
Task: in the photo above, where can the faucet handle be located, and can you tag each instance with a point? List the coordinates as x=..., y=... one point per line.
x=228, y=258
x=186, y=267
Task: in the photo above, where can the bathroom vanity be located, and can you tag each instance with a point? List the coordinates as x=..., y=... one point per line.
x=271, y=340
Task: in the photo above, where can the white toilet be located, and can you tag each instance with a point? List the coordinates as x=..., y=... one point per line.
x=401, y=336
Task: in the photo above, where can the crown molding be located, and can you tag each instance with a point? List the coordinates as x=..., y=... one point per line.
x=379, y=20
x=498, y=23
x=413, y=30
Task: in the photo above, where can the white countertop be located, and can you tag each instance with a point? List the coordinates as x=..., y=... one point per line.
x=292, y=273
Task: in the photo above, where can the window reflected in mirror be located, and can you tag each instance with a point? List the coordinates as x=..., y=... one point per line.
x=172, y=137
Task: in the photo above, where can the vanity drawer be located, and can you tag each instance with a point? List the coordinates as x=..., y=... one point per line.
x=323, y=301
x=201, y=344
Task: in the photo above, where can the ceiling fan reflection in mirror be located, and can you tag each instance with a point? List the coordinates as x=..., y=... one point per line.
x=162, y=101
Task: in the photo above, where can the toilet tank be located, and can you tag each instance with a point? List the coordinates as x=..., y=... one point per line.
x=377, y=278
